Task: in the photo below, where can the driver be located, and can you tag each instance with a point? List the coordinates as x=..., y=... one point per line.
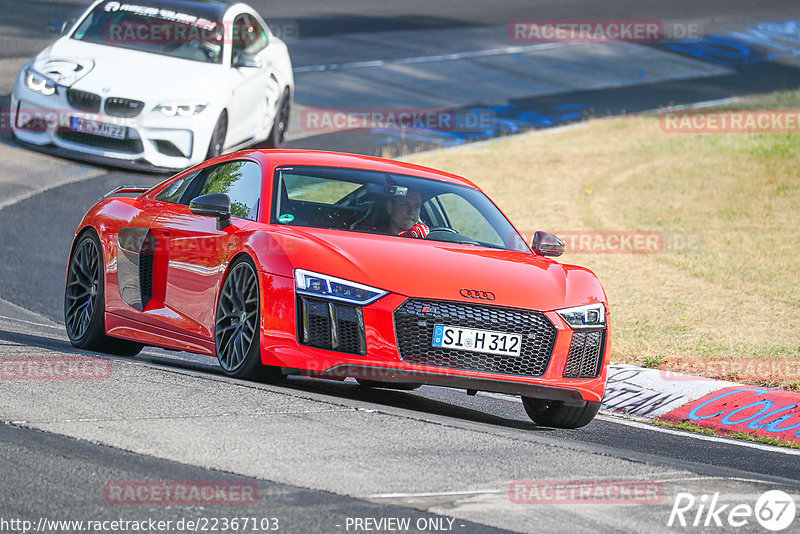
x=404, y=215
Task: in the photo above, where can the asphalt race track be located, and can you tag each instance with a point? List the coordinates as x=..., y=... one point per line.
x=322, y=454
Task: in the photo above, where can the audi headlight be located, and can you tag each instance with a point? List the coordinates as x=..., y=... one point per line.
x=589, y=316
x=171, y=109
x=329, y=287
x=41, y=84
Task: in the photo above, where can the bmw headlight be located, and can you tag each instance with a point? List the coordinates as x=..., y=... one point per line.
x=589, y=316
x=329, y=287
x=41, y=84
x=171, y=109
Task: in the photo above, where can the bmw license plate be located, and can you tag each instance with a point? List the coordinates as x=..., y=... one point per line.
x=454, y=337
x=98, y=128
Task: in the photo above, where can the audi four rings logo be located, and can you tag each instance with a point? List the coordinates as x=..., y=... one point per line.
x=477, y=294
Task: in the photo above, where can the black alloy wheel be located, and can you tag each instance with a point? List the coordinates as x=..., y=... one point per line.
x=217, y=143
x=556, y=414
x=281, y=122
x=84, y=301
x=237, y=325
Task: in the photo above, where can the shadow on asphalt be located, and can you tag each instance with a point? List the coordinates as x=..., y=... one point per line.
x=352, y=391
x=341, y=390
x=406, y=400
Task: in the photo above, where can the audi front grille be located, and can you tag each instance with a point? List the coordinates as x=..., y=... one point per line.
x=415, y=319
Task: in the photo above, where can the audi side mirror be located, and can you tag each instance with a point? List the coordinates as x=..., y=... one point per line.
x=545, y=244
x=213, y=205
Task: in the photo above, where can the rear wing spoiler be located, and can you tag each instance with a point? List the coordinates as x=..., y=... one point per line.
x=126, y=189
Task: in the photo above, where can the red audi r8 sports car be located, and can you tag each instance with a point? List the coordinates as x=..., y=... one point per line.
x=332, y=265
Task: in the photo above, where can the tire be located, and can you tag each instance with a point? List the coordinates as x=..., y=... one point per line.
x=237, y=333
x=217, y=143
x=387, y=385
x=557, y=415
x=84, y=301
x=281, y=122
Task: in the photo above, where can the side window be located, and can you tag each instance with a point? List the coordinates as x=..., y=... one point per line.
x=248, y=35
x=175, y=191
x=241, y=181
x=467, y=220
x=320, y=190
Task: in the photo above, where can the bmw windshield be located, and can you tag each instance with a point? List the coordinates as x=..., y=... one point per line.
x=154, y=29
x=391, y=204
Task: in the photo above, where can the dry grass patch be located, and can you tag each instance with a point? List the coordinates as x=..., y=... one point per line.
x=734, y=295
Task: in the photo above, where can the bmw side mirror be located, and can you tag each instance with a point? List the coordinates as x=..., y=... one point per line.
x=246, y=60
x=213, y=205
x=59, y=26
x=545, y=244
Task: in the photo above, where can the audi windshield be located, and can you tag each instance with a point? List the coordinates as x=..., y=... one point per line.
x=391, y=204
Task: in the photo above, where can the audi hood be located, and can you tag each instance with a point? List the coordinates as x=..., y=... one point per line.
x=440, y=270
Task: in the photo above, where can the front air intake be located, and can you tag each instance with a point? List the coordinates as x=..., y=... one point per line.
x=585, y=358
x=331, y=325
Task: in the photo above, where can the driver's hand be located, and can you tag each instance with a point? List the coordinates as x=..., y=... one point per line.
x=419, y=230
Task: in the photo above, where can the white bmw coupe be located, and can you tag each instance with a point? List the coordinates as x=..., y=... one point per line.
x=159, y=84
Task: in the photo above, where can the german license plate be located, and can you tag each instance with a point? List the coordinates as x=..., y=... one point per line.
x=486, y=341
x=103, y=129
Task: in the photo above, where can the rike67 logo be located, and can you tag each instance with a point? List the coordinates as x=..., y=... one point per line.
x=774, y=511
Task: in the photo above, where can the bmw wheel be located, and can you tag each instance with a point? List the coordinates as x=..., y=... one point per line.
x=218, y=137
x=556, y=414
x=281, y=122
x=84, y=301
x=237, y=332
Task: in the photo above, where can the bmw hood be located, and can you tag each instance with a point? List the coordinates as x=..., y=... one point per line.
x=63, y=70
x=446, y=271
x=126, y=73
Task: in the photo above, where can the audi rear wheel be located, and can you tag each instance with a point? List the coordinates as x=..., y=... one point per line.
x=84, y=301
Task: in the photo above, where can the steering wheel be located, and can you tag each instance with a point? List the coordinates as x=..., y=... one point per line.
x=443, y=229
